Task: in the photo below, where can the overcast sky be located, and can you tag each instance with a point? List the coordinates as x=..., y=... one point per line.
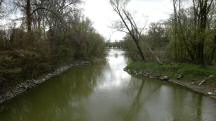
x=144, y=12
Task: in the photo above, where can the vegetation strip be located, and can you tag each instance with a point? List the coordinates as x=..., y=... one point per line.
x=29, y=84
x=193, y=77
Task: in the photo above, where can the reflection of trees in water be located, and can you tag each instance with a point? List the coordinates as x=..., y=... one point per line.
x=199, y=108
x=59, y=99
x=144, y=92
x=186, y=105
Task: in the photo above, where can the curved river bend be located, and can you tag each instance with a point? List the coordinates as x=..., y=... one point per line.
x=104, y=92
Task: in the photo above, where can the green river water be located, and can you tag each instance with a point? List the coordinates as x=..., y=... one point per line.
x=104, y=92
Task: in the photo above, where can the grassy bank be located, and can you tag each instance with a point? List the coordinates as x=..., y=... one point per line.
x=18, y=66
x=194, y=77
x=189, y=71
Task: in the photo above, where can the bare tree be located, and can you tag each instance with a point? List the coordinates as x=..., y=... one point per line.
x=1, y=2
x=129, y=23
x=39, y=9
x=179, y=28
x=201, y=11
x=1, y=7
x=200, y=18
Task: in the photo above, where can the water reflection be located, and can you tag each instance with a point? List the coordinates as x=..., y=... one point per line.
x=104, y=92
x=113, y=75
x=60, y=99
x=143, y=93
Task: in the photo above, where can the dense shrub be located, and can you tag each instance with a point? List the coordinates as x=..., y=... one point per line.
x=26, y=55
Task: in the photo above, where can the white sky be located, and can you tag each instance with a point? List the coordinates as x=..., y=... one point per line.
x=144, y=12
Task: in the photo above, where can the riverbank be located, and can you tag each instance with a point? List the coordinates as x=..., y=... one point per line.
x=29, y=84
x=193, y=77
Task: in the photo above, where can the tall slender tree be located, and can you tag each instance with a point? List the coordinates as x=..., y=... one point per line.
x=199, y=20
x=119, y=6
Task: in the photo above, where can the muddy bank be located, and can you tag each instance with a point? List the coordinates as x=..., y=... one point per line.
x=204, y=86
x=29, y=84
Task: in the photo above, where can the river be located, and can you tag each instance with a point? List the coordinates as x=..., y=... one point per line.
x=104, y=92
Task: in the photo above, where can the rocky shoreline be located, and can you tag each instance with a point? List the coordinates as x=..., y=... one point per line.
x=201, y=87
x=29, y=84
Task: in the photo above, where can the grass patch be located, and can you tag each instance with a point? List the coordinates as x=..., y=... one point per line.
x=189, y=71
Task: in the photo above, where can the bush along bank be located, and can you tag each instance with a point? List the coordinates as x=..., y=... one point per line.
x=29, y=84
x=193, y=77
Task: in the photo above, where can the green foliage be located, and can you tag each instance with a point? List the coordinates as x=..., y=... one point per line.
x=192, y=38
x=82, y=42
x=131, y=48
x=188, y=70
x=29, y=55
x=33, y=64
x=155, y=39
x=188, y=36
x=157, y=36
x=47, y=38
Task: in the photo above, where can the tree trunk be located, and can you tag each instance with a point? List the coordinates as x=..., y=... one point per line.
x=132, y=35
x=28, y=15
x=140, y=50
x=200, y=53
x=202, y=31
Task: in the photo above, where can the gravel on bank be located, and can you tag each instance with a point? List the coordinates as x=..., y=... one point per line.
x=29, y=84
x=203, y=87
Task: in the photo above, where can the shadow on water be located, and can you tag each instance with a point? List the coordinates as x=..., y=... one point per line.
x=153, y=101
x=138, y=101
x=59, y=99
x=104, y=92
